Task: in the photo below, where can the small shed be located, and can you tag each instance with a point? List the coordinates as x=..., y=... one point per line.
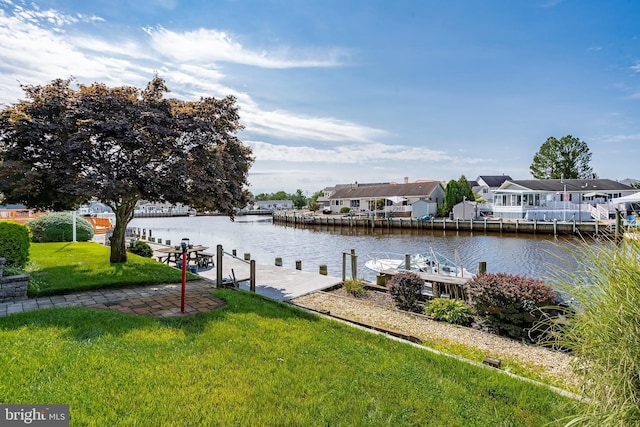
x=422, y=208
x=466, y=210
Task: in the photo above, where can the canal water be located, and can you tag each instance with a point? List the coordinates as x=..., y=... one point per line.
x=536, y=256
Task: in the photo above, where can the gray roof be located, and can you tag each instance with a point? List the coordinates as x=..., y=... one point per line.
x=494, y=181
x=360, y=191
x=574, y=185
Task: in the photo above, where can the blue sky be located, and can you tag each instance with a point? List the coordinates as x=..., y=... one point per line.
x=338, y=91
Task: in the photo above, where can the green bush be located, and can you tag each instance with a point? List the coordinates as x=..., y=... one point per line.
x=512, y=304
x=58, y=227
x=354, y=287
x=14, y=244
x=450, y=311
x=345, y=210
x=141, y=248
x=406, y=290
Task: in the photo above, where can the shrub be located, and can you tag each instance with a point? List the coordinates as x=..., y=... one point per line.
x=141, y=248
x=14, y=244
x=449, y=310
x=512, y=304
x=354, y=287
x=345, y=210
x=603, y=331
x=406, y=289
x=58, y=227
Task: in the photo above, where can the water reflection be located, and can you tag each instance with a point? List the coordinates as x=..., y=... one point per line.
x=531, y=255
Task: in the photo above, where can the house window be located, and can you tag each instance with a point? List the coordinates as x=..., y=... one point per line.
x=354, y=203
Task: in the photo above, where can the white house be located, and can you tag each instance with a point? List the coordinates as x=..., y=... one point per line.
x=274, y=205
x=391, y=198
x=560, y=199
x=486, y=185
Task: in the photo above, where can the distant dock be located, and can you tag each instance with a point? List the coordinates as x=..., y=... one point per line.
x=484, y=225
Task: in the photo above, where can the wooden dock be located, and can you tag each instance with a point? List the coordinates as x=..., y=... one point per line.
x=439, y=285
x=484, y=225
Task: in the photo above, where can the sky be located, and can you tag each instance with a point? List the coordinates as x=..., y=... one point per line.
x=342, y=91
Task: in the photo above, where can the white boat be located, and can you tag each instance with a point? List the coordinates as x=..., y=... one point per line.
x=429, y=262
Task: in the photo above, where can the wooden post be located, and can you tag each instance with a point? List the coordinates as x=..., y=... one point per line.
x=354, y=264
x=219, y=266
x=252, y=273
x=344, y=266
x=298, y=264
x=555, y=227
x=407, y=262
x=323, y=269
x=167, y=242
x=234, y=252
x=279, y=262
x=482, y=267
x=247, y=256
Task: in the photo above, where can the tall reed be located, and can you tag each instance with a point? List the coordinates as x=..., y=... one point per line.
x=604, y=331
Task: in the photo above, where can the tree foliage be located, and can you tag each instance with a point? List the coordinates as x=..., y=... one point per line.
x=457, y=191
x=568, y=157
x=63, y=146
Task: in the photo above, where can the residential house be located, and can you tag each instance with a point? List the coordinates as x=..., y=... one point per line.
x=559, y=199
x=391, y=198
x=485, y=186
x=273, y=205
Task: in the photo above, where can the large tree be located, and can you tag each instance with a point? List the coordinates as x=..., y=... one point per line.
x=63, y=146
x=567, y=157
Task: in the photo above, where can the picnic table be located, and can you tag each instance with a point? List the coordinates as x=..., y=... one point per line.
x=195, y=254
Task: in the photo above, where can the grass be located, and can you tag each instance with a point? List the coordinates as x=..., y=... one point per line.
x=604, y=331
x=253, y=362
x=57, y=268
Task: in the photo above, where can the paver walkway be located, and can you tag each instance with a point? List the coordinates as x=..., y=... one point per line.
x=153, y=300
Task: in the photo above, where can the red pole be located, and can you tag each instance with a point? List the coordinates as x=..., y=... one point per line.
x=184, y=280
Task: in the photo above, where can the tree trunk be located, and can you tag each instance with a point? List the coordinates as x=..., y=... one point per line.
x=124, y=214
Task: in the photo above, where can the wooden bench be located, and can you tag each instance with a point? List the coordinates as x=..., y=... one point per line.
x=204, y=259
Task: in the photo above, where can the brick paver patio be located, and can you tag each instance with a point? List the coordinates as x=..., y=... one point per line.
x=153, y=300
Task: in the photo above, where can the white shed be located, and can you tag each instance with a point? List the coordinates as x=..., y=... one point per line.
x=466, y=210
x=421, y=208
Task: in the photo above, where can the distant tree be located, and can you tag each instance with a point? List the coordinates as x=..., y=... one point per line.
x=315, y=196
x=455, y=192
x=314, y=206
x=567, y=157
x=299, y=199
x=62, y=146
x=635, y=184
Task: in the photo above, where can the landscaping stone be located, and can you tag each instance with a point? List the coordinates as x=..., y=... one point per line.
x=13, y=288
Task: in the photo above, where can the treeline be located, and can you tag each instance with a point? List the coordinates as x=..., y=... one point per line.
x=299, y=199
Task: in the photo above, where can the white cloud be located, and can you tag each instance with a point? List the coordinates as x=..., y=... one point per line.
x=350, y=154
x=34, y=51
x=204, y=45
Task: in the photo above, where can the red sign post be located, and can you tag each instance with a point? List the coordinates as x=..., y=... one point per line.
x=184, y=276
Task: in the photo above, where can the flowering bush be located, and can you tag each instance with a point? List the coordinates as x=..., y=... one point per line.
x=512, y=304
x=405, y=288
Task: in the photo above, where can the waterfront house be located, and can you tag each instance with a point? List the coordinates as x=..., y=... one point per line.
x=273, y=205
x=558, y=199
x=389, y=198
x=485, y=186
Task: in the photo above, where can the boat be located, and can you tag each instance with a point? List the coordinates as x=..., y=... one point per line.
x=429, y=262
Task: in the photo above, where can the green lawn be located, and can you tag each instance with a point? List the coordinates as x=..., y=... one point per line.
x=254, y=362
x=68, y=267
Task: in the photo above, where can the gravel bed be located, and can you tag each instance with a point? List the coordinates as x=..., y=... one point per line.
x=374, y=309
